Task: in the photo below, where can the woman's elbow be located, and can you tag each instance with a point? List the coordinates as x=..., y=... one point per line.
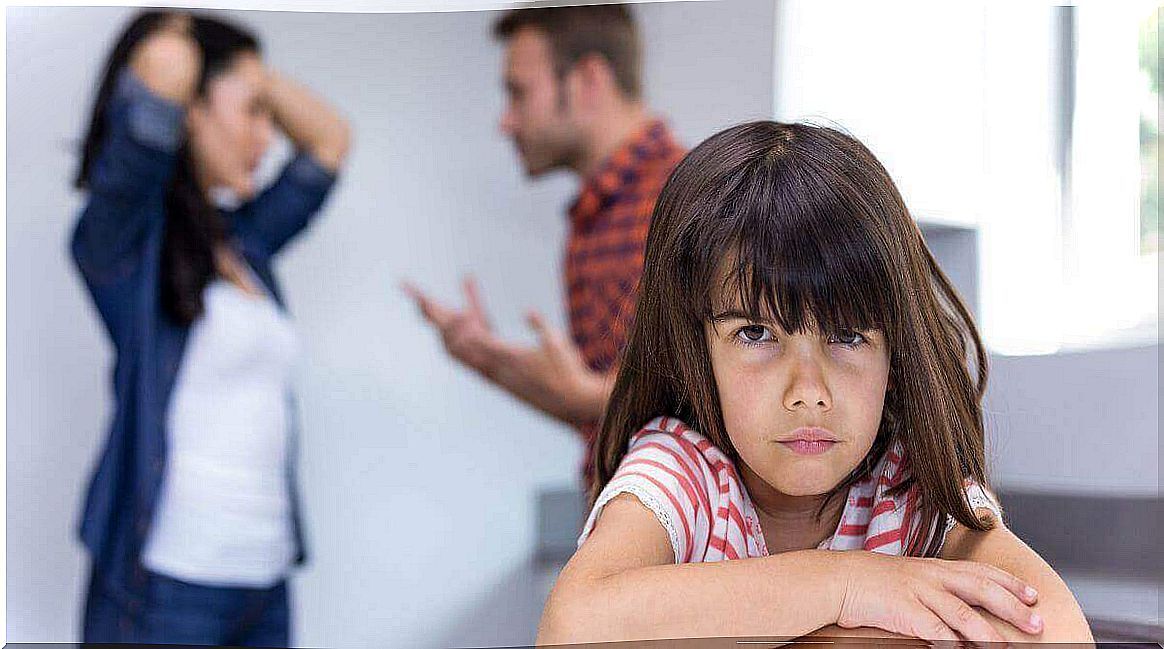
x=334, y=149
x=343, y=137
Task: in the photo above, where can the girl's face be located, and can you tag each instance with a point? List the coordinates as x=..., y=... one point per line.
x=802, y=410
x=231, y=127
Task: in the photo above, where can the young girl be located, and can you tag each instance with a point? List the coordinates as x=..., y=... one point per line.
x=796, y=381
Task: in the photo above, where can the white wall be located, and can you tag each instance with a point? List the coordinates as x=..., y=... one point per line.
x=418, y=479
x=904, y=78
x=1086, y=422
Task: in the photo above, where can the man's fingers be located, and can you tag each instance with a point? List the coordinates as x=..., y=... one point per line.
x=459, y=337
x=439, y=315
x=554, y=341
x=504, y=351
x=476, y=346
x=473, y=298
x=538, y=324
x=469, y=353
x=414, y=294
x=548, y=334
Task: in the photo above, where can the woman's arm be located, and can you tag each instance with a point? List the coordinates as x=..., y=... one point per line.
x=622, y=584
x=310, y=122
x=169, y=62
x=1063, y=620
x=288, y=206
x=137, y=155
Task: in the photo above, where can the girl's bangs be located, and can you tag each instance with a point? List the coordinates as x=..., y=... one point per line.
x=795, y=250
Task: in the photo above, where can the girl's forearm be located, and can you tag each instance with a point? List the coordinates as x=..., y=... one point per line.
x=311, y=123
x=835, y=631
x=789, y=594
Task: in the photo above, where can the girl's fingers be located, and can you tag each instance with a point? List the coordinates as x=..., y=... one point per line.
x=981, y=590
x=928, y=626
x=1018, y=587
x=961, y=617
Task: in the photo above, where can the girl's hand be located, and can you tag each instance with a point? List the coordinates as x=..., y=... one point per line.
x=934, y=599
x=169, y=61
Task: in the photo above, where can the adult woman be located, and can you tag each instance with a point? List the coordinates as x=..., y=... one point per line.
x=191, y=516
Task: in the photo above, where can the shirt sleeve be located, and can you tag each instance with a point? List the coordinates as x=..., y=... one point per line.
x=127, y=179
x=153, y=121
x=285, y=208
x=671, y=479
x=979, y=498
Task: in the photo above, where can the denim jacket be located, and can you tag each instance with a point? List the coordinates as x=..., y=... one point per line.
x=117, y=246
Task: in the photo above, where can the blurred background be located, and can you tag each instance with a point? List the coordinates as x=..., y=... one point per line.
x=1024, y=138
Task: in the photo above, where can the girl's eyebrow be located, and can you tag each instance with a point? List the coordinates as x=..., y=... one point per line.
x=736, y=314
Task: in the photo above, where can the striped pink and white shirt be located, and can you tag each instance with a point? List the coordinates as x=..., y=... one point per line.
x=697, y=495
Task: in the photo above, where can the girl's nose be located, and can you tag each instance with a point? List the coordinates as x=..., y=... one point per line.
x=807, y=390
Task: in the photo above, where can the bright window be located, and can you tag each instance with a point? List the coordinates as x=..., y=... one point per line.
x=1149, y=46
x=1036, y=126
x=1111, y=240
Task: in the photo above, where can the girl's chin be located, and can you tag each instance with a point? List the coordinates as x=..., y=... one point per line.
x=799, y=482
x=805, y=491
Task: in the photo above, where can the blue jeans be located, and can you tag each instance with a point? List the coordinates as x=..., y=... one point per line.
x=177, y=612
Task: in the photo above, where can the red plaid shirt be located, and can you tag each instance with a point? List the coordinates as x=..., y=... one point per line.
x=604, y=253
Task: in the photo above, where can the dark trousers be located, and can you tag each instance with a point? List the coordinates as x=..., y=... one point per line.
x=177, y=612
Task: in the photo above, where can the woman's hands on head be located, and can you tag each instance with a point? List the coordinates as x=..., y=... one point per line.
x=311, y=122
x=169, y=61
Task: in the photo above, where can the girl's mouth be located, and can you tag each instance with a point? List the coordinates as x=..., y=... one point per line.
x=809, y=441
x=808, y=447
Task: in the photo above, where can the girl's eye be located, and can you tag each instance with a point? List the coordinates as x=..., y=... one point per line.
x=847, y=337
x=753, y=334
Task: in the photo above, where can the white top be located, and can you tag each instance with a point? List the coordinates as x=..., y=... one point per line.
x=224, y=514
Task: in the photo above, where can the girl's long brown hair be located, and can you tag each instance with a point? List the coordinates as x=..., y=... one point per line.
x=814, y=233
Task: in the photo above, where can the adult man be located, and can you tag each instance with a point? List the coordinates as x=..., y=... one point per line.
x=573, y=79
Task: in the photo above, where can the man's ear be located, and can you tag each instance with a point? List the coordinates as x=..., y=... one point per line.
x=594, y=77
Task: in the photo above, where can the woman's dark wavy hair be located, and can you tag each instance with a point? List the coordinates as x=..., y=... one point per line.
x=193, y=226
x=813, y=232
